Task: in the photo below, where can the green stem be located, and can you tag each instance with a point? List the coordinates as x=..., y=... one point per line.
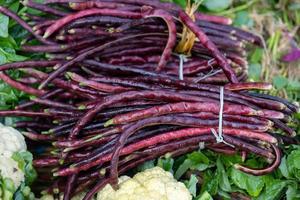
x=238, y=8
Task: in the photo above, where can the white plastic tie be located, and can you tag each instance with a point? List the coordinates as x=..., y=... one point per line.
x=219, y=135
x=182, y=59
x=201, y=145
x=210, y=73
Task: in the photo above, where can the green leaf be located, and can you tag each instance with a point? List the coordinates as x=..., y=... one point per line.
x=210, y=182
x=224, y=181
x=273, y=191
x=205, y=196
x=166, y=163
x=229, y=160
x=24, y=160
x=242, y=19
x=293, y=85
x=14, y=6
x=182, y=3
x=4, y=25
x=224, y=195
x=293, y=192
x=146, y=165
x=280, y=82
x=255, y=71
x=294, y=6
x=284, y=168
x=217, y=5
x=2, y=58
x=293, y=163
x=8, y=42
x=257, y=55
x=192, y=185
x=198, y=157
x=23, y=193
x=252, y=184
x=7, y=188
x=187, y=164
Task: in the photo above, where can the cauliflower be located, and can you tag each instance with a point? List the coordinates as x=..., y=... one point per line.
x=9, y=169
x=152, y=184
x=15, y=164
x=11, y=141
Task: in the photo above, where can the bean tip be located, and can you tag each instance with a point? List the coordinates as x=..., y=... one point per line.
x=258, y=113
x=82, y=84
x=54, y=152
x=61, y=161
x=270, y=124
x=72, y=5
x=293, y=134
x=66, y=150
x=81, y=107
x=69, y=74
x=41, y=87
x=237, y=166
x=60, y=37
x=102, y=171
x=109, y=123
x=46, y=35
x=69, y=58
x=274, y=141
x=55, y=190
x=72, y=31
x=229, y=21
x=45, y=132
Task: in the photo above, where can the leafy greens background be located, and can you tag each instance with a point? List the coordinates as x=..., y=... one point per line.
x=206, y=174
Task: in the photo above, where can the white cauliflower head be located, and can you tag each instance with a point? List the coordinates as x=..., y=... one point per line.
x=11, y=141
x=9, y=169
x=152, y=184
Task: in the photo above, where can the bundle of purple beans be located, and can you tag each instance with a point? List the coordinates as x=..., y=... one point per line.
x=110, y=98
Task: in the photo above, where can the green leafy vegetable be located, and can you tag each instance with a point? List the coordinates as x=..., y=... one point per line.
x=24, y=160
x=195, y=160
x=254, y=71
x=205, y=196
x=166, y=163
x=192, y=185
x=293, y=163
x=242, y=19
x=7, y=188
x=210, y=182
x=284, y=168
x=3, y=26
x=224, y=183
x=280, y=82
x=252, y=184
x=217, y=5
x=24, y=193
x=273, y=191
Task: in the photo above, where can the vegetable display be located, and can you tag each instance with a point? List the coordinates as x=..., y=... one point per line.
x=124, y=82
x=16, y=171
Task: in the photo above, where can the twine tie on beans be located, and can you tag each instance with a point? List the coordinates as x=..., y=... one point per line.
x=182, y=60
x=219, y=135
